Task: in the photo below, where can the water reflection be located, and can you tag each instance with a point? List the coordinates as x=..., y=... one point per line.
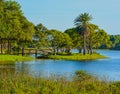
x=21, y=67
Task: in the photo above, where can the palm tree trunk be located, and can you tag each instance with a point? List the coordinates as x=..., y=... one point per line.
x=84, y=48
x=90, y=46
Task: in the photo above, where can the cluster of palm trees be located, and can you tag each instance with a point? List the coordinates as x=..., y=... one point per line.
x=83, y=25
x=84, y=37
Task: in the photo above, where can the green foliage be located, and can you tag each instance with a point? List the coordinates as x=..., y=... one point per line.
x=58, y=40
x=104, y=39
x=83, y=19
x=97, y=38
x=115, y=39
x=55, y=38
x=77, y=40
x=17, y=83
x=17, y=32
x=13, y=25
x=40, y=37
x=11, y=21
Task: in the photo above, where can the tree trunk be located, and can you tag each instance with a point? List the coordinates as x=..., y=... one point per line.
x=8, y=46
x=54, y=51
x=91, y=52
x=79, y=50
x=36, y=53
x=62, y=50
x=1, y=46
x=57, y=50
x=68, y=50
x=88, y=50
x=84, y=48
x=23, y=52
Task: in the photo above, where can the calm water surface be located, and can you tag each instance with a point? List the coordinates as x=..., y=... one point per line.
x=108, y=68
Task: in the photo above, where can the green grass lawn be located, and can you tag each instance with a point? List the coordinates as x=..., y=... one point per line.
x=13, y=58
x=77, y=57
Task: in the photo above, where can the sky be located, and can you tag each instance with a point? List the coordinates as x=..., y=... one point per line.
x=60, y=14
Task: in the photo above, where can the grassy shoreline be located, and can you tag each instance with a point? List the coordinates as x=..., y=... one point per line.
x=14, y=58
x=77, y=57
x=82, y=84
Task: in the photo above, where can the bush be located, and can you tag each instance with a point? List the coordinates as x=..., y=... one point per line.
x=82, y=75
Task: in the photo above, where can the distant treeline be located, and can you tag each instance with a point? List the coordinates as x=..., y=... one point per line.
x=115, y=39
x=115, y=43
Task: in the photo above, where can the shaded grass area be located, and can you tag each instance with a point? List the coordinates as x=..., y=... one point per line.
x=77, y=56
x=13, y=58
x=82, y=83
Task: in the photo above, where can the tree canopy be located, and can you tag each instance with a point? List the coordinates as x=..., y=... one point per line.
x=13, y=24
x=17, y=31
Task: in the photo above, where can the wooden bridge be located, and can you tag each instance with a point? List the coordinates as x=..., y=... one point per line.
x=42, y=52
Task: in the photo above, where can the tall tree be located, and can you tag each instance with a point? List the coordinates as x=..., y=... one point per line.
x=40, y=36
x=67, y=43
x=91, y=38
x=82, y=22
x=55, y=40
x=13, y=24
x=59, y=40
x=12, y=13
x=1, y=24
x=76, y=38
x=26, y=33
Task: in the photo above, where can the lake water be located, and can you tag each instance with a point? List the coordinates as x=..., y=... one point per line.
x=108, y=68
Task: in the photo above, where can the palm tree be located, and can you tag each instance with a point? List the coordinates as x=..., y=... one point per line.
x=82, y=23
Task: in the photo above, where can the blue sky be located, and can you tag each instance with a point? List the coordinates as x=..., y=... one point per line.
x=60, y=14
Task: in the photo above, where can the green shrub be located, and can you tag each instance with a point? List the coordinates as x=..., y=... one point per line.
x=82, y=75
